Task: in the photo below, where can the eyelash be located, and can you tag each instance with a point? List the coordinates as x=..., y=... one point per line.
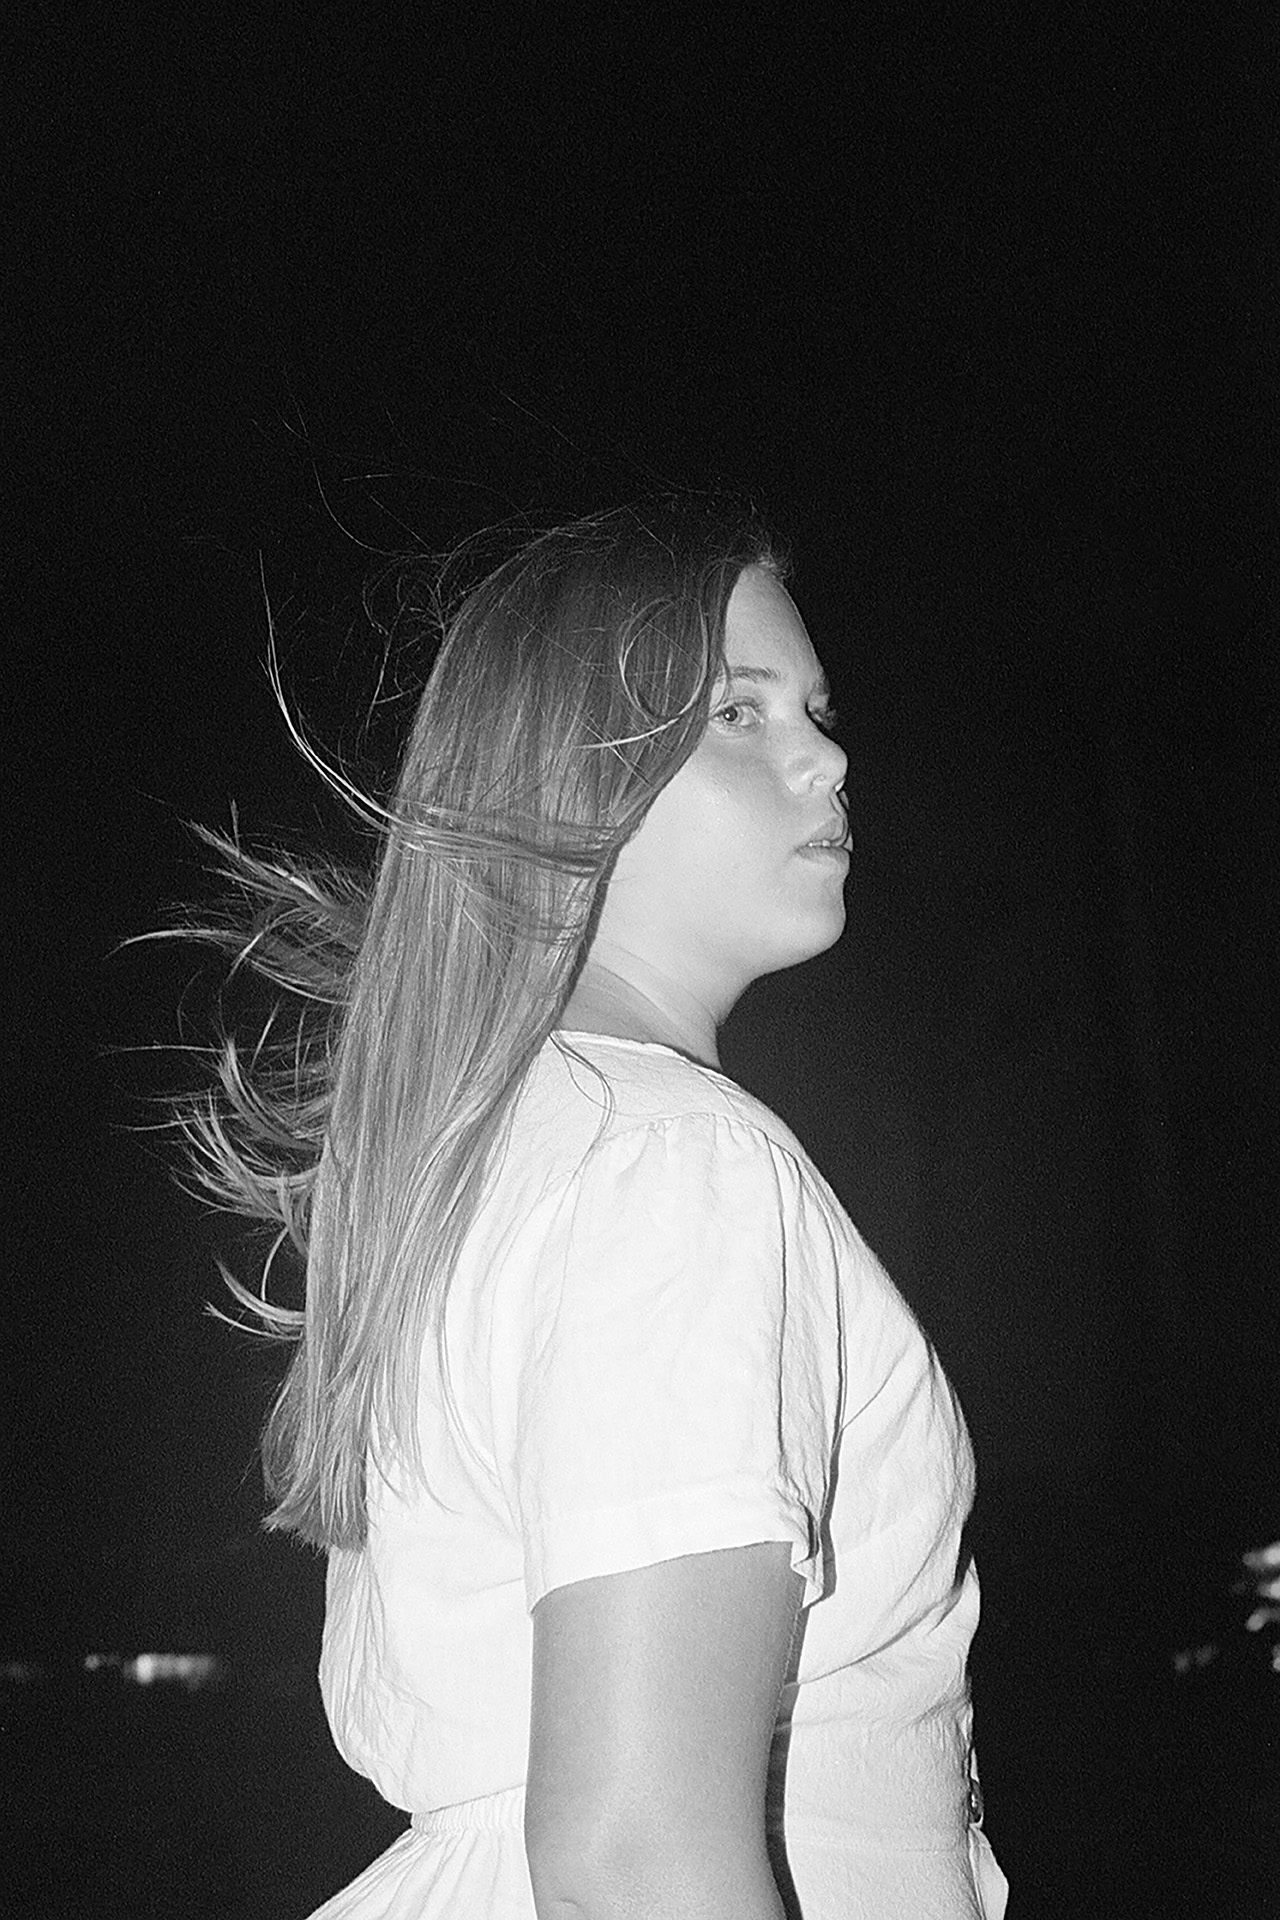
x=827, y=717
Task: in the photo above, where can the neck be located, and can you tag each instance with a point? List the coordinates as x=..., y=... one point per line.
x=653, y=1009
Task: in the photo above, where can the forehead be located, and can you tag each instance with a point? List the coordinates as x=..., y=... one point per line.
x=763, y=630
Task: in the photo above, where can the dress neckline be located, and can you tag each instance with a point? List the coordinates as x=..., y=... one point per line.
x=639, y=1046
x=616, y=1040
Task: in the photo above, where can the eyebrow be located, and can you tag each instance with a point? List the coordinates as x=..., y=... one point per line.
x=819, y=687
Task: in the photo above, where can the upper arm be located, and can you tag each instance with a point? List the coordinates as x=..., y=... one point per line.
x=655, y=1695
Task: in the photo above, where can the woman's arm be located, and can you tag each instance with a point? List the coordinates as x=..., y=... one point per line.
x=655, y=1695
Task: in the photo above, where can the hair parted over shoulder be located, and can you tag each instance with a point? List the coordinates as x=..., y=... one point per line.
x=365, y=1124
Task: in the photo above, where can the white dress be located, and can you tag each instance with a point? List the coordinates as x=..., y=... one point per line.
x=665, y=1336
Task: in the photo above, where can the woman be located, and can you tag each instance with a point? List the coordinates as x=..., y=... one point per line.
x=642, y=1490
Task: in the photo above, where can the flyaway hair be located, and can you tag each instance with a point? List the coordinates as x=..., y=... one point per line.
x=366, y=1122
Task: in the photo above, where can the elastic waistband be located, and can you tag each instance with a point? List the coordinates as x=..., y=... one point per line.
x=505, y=1809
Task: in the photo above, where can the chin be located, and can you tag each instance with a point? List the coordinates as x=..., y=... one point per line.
x=824, y=946
x=819, y=939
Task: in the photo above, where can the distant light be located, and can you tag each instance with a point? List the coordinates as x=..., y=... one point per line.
x=189, y=1670
x=21, y=1673
x=1190, y=1658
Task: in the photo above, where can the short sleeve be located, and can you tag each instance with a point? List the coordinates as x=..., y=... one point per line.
x=675, y=1383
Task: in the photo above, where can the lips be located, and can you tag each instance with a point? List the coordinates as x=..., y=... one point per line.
x=834, y=834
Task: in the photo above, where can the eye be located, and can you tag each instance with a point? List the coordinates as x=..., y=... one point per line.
x=737, y=708
x=828, y=718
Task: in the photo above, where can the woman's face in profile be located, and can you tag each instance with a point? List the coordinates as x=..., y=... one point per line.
x=719, y=881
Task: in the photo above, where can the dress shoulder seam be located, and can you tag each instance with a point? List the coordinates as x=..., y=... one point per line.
x=796, y=1154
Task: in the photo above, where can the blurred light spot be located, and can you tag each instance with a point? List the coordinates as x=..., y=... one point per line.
x=189, y=1670
x=1187, y=1659
x=21, y=1673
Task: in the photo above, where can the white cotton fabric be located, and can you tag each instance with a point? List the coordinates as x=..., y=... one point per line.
x=666, y=1337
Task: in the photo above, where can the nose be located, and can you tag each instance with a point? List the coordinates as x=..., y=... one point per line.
x=830, y=762
x=814, y=761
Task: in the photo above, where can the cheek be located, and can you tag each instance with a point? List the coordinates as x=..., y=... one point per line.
x=719, y=847
x=741, y=830
x=708, y=832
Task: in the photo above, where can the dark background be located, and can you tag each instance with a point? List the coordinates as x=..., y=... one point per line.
x=982, y=310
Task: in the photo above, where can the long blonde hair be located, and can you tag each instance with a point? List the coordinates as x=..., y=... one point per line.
x=569, y=687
